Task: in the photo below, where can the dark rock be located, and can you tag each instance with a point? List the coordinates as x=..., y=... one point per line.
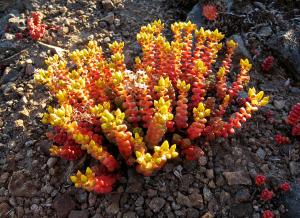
x=139, y=201
x=9, y=75
x=107, y=4
x=207, y=194
x=195, y=16
x=241, y=210
x=44, y=146
x=4, y=209
x=237, y=178
x=81, y=196
x=279, y=104
x=261, y=154
x=225, y=198
x=286, y=48
x=265, y=31
x=242, y=196
x=292, y=201
x=135, y=182
x=113, y=208
x=295, y=168
x=109, y=18
x=192, y=213
x=156, y=204
x=3, y=177
x=129, y=214
x=193, y=200
x=63, y=204
x=196, y=200
x=79, y=214
x=21, y=185
x=241, y=51
x=4, y=4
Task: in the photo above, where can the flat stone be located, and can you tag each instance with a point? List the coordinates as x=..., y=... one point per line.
x=241, y=210
x=265, y=31
x=237, y=178
x=279, y=104
x=242, y=196
x=21, y=185
x=295, y=168
x=9, y=75
x=79, y=214
x=207, y=194
x=109, y=18
x=156, y=204
x=63, y=204
x=183, y=200
x=261, y=153
x=51, y=162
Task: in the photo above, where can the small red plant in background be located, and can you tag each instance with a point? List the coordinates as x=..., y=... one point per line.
x=260, y=180
x=294, y=119
x=35, y=26
x=266, y=195
x=281, y=139
x=210, y=12
x=268, y=214
x=285, y=187
x=268, y=192
x=267, y=64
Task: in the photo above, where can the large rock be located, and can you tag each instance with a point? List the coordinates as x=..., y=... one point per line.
x=286, y=48
x=156, y=204
x=237, y=178
x=292, y=201
x=21, y=185
x=195, y=16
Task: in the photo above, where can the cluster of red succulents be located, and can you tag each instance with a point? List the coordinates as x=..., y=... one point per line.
x=36, y=27
x=268, y=194
x=268, y=214
x=111, y=113
x=294, y=119
x=210, y=12
x=281, y=139
x=267, y=63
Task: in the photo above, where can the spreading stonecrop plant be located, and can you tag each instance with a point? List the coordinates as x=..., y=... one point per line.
x=171, y=103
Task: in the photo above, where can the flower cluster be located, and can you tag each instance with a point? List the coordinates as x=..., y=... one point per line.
x=210, y=12
x=281, y=139
x=267, y=193
x=267, y=64
x=36, y=27
x=112, y=113
x=294, y=119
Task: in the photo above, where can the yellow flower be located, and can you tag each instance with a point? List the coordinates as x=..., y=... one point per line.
x=200, y=112
x=231, y=44
x=257, y=99
x=245, y=64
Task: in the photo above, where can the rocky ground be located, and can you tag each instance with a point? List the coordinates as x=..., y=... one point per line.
x=221, y=184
